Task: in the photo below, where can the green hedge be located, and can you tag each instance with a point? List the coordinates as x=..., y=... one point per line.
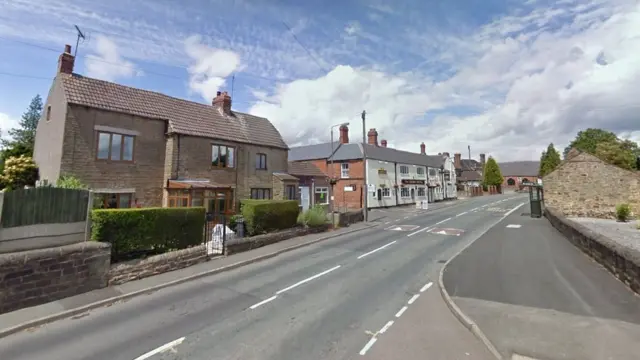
x=261, y=216
x=135, y=232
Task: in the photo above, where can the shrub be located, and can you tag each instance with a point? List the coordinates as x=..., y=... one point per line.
x=314, y=217
x=261, y=216
x=70, y=182
x=149, y=230
x=623, y=211
x=19, y=172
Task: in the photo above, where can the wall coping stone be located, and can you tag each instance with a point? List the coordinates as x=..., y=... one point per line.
x=21, y=257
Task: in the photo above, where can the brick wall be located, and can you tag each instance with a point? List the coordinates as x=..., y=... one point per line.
x=585, y=186
x=34, y=277
x=348, y=199
x=145, y=173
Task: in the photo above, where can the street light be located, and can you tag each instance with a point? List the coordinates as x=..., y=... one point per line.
x=332, y=149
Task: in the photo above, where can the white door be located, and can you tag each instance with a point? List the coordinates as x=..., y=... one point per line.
x=304, y=197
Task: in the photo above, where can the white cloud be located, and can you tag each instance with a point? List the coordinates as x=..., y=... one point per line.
x=107, y=64
x=7, y=123
x=210, y=67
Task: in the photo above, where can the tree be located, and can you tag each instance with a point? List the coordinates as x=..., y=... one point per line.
x=588, y=140
x=615, y=153
x=491, y=174
x=23, y=138
x=19, y=172
x=549, y=160
x=70, y=182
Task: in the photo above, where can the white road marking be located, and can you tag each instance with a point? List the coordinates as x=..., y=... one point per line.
x=441, y=221
x=406, y=217
x=424, y=288
x=386, y=327
x=399, y=313
x=413, y=298
x=387, y=222
x=262, y=302
x=368, y=346
x=308, y=279
x=375, y=250
x=512, y=210
x=514, y=226
x=161, y=349
x=462, y=213
x=421, y=230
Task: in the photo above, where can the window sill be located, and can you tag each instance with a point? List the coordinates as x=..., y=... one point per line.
x=115, y=161
x=222, y=168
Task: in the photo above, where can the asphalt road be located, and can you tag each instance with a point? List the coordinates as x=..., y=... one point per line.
x=324, y=301
x=536, y=294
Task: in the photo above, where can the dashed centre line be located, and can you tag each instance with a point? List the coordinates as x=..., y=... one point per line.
x=376, y=250
x=399, y=313
x=161, y=349
x=307, y=280
x=413, y=299
x=263, y=302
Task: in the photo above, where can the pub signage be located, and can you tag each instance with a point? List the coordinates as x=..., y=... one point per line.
x=412, y=182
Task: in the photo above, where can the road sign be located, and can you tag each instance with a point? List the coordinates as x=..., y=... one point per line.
x=447, y=231
x=402, y=227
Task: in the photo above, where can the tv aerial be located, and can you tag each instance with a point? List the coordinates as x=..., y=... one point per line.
x=79, y=36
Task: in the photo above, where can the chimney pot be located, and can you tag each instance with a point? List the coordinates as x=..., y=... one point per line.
x=423, y=149
x=67, y=49
x=383, y=143
x=222, y=101
x=373, y=137
x=344, y=134
x=66, y=61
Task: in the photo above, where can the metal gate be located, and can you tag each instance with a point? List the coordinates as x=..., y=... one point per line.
x=215, y=233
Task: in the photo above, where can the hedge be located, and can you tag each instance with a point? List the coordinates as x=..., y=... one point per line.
x=135, y=232
x=261, y=216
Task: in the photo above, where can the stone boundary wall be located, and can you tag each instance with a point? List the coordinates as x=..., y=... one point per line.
x=620, y=260
x=237, y=245
x=121, y=273
x=34, y=277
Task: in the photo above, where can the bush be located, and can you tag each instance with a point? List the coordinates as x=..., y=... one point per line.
x=261, y=216
x=623, y=211
x=134, y=232
x=314, y=217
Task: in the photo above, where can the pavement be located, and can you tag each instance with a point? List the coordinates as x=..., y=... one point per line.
x=533, y=293
x=365, y=294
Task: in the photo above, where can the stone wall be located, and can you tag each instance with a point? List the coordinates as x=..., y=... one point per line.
x=585, y=186
x=141, y=268
x=34, y=277
x=237, y=245
x=622, y=261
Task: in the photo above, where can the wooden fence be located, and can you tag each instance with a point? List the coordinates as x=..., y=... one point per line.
x=44, y=205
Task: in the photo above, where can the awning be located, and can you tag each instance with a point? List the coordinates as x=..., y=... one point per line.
x=194, y=184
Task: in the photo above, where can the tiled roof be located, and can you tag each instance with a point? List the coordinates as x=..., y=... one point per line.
x=469, y=164
x=284, y=176
x=520, y=168
x=185, y=117
x=305, y=168
x=353, y=151
x=470, y=175
x=312, y=152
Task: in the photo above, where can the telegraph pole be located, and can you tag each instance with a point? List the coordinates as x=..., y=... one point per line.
x=364, y=162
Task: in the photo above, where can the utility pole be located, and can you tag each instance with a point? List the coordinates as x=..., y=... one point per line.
x=364, y=162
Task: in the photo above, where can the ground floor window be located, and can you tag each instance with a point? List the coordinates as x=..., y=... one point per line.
x=321, y=195
x=290, y=191
x=261, y=194
x=404, y=192
x=112, y=200
x=386, y=192
x=421, y=192
x=217, y=201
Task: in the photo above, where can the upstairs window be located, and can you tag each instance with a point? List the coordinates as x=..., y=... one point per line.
x=420, y=171
x=261, y=161
x=115, y=147
x=404, y=170
x=222, y=156
x=344, y=170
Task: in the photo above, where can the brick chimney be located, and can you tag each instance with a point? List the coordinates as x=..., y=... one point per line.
x=344, y=134
x=222, y=101
x=457, y=157
x=373, y=137
x=66, y=61
x=423, y=149
x=482, y=160
x=383, y=143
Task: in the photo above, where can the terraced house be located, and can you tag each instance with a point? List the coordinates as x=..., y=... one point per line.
x=141, y=148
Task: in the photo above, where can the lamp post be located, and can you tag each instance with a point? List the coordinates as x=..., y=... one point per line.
x=331, y=165
x=364, y=164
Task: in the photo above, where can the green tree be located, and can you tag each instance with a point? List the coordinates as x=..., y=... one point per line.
x=615, y=152
x=70, y=182
x=22, y=139
x=491, y=173
x=588, y=140
x=19, y=172
x=549, y=160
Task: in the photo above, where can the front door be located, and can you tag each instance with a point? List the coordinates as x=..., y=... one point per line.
x=413, y=195
x=304, y=197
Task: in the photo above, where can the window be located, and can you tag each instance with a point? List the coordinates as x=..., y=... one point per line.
x=115, y=147
x=261, y=161
x=404, y=170
x=215, y=201
x=511, y=182
x=113, y=201
x=421, y=192
x=222, y=156
x=261, y=194
x=432, y=172
x=290, y=192
x=420, y=171
x=386, y=192
x=48, y=114
x=344, y=170
x=404, y=192
x=321, y=196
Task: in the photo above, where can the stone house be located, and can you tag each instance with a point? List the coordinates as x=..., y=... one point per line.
x=395, y=177
x=585, y=186
x=135, y=147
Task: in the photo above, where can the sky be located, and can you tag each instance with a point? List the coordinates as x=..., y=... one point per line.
x=505, y=77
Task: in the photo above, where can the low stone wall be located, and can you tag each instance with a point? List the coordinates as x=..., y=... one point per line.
x=121, y=273
x=622, y=261
x=34, y=277
x=237, y=245
x=350, y=217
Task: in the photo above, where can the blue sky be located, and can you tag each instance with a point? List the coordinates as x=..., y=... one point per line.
x=492, y=74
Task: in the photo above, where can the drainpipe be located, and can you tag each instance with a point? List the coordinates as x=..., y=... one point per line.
x=395, y=175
